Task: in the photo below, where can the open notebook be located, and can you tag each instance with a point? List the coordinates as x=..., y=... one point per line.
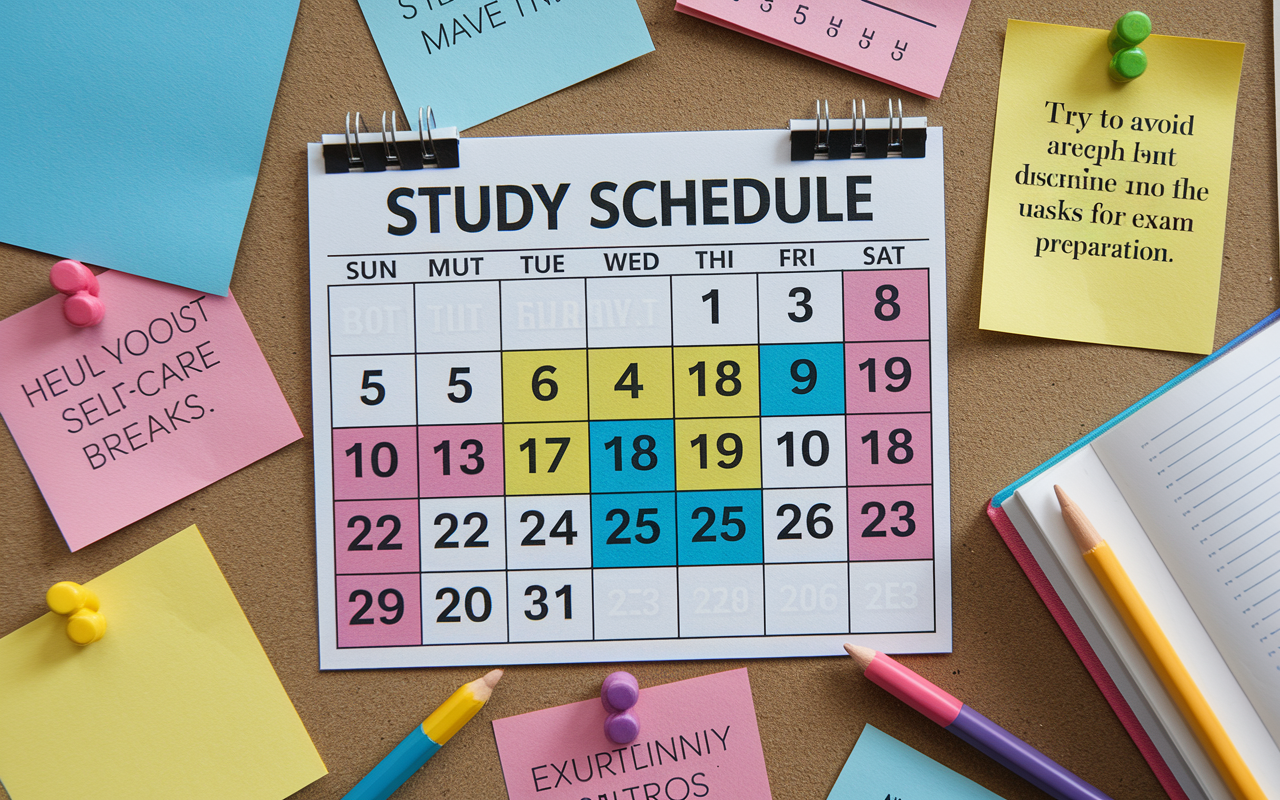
x=1185, y=486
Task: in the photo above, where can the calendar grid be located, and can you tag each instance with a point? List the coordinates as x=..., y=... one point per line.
x=575, y=412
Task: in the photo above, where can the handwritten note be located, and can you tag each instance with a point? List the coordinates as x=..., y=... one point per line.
x=881, y=766
x=905, y=43
x=177, y=699
x=1108, y=201
x=169, y=394
x=473, y=62
x=698, y=738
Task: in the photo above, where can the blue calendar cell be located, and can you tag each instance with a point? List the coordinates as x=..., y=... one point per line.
x=633, y=530
x=633, y=456
x=801, y=379
x=719, y=528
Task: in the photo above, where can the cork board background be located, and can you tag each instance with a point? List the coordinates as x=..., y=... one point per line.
x=1015, y=401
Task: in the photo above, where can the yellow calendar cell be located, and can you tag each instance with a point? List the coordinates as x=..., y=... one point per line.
x=630, y=383
x=717, y=381
x=544, y=385
x=717, y=454
x=547, y=458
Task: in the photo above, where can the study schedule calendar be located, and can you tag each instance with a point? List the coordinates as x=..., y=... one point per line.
x=629, y=397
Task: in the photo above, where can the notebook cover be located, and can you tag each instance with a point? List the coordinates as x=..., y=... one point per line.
x=1090, y=659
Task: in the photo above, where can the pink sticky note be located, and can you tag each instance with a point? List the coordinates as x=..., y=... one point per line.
x=906, y=43
x=698, y=739
x=167, y=395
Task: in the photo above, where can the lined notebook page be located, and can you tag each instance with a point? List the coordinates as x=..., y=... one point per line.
x=1200, y=467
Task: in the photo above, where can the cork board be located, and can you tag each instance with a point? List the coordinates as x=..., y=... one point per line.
x=1015, y=401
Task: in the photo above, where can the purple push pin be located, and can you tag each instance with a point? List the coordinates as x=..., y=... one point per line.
x=619, y=693
x=622, y=727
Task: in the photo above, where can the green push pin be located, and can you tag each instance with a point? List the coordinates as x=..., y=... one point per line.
x=1130, y=30
x=1128, y=61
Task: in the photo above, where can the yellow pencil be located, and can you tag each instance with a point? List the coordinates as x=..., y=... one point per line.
x=1159, y=652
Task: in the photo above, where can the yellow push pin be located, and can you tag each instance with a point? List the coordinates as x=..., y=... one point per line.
x=85, y=624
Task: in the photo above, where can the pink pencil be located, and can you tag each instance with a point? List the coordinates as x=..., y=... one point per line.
x=988, y=737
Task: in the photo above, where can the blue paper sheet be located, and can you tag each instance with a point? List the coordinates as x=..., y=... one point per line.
x=472, y=60
x=134, y=130
x=881, y=766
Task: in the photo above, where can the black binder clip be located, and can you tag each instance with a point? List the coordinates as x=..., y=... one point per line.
x=375, y=152
x=857, y=137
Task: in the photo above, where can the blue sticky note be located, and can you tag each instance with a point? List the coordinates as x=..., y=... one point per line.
x=881, y=766
x=472, y=60
x=136, y=129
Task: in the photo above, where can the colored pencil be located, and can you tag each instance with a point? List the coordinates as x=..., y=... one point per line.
x=989, y=738
x=423, y=742
x=1155, y=646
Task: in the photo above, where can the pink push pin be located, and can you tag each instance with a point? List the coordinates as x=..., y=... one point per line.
x=619, y=692
x=82, y=307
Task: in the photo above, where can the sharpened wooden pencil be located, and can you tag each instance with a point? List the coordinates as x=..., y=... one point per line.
x=1163, y=658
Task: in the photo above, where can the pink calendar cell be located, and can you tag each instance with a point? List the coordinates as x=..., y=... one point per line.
x=372, y=536
x=890, y=523
x=460, y=460
x=883, y=377
x=379, y=610
x=888, y=449
x=374, y=463
x=886, y=305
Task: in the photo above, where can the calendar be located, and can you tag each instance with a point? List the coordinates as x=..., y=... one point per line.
x=629, y=397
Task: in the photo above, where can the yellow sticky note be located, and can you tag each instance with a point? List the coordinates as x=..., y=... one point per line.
x=177, y=699
x=1108, y=200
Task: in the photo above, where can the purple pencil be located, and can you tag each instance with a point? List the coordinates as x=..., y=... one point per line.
x=988, y=737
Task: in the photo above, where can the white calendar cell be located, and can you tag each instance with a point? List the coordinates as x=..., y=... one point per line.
x=372, y=391
x=544, y=314
x=722, y=601
x=547, y=531
x=370, y=319
x=801, y=307
x=462, y=533
x=549, y=605
x=803, y=451
x=638, y=603
x=714, y=309
x=629, y=312
x=805, y=525
x=806, y=598
x=464, y=607
x=457, y=317
x=458, y=388
x=891, y=596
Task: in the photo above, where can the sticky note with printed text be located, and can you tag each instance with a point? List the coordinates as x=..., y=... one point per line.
x=1108, y=201
x=698, y=738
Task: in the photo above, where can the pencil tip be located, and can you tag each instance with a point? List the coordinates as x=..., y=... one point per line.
x=1062, y=496
x=863, y=655
x=492, y=678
